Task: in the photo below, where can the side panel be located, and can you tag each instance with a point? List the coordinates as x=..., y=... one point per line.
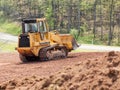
x=55, y=38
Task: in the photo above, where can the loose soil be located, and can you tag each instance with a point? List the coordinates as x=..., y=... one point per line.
x=80, y=71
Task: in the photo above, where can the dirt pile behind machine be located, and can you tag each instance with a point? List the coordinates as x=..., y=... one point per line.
x=36, y=41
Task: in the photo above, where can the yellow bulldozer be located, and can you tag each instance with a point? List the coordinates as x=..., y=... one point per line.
x=36, y=41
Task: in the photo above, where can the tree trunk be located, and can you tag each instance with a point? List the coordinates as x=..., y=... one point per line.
x=78, y=19
x=110, y=31
x=101, y=21
x=94, y=14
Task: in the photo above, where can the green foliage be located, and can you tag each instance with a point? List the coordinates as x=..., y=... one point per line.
x=79, y=33
x=74, y=33
x=8, y=26
x=48, y=15
x=65, y=15
x=83, y=28
x=87, y=5
x=86, y=39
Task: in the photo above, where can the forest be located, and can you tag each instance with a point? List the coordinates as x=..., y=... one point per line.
x=89, y=21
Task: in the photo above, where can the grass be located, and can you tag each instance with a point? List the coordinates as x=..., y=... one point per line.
x=88, y=39
x=85, y=39
x=8, y=26
x=7, y=46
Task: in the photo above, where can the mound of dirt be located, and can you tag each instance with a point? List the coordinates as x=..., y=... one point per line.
x=93, y=74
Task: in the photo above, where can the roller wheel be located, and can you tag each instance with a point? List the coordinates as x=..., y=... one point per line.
x=49, y=55
x=64, y=52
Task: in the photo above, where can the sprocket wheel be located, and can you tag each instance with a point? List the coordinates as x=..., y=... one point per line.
x=23, y=58
x=27, y=58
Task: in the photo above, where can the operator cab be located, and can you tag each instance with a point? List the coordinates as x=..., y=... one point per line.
x=33, y=25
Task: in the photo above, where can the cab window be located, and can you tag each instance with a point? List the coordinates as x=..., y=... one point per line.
x=42, y=27
x=31, y=27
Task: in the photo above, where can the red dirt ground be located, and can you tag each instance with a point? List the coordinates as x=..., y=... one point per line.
x=80, y=71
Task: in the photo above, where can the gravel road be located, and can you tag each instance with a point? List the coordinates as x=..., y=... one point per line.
x=8, y=37
x=99, y=48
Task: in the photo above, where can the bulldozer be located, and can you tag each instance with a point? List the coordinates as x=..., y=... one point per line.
x=37, y=41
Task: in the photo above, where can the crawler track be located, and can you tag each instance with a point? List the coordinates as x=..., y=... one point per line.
x=51, y=53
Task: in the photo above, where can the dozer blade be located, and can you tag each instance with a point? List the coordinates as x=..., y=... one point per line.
x=74, y=44
x=69, y=41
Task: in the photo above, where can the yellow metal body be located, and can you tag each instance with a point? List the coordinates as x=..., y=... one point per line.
x=50, y=39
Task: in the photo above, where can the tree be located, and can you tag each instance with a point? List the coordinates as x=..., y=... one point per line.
x=94, y=15
x=111, y=16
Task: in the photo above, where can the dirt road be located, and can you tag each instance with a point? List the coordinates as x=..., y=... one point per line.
x=80, y=71
x=11, y=67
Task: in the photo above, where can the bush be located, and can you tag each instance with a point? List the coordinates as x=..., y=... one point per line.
x=74, y=33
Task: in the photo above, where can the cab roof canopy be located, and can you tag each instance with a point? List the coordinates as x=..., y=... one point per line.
x=32, y=20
